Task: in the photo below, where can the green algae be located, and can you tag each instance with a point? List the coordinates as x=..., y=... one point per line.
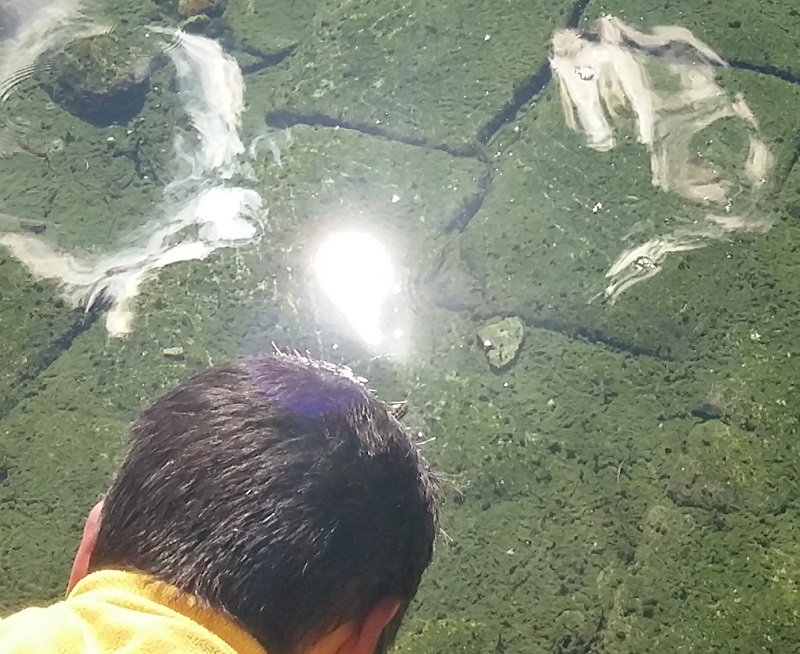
x=34, y=323
x=421, y=71
x=627, y=485
x=764, y=37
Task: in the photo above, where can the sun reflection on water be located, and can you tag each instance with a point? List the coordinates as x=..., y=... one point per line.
x=358, y=275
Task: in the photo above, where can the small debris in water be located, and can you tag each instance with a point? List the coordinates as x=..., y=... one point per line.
x=643, y=262
x=501, y=340
x=173, y=352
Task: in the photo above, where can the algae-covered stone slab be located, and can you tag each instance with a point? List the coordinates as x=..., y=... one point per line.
x=762, y=35
x=316, y=183
x=327, y=172
x=725, y=583
x=551, y=464
x=724, y=468
x=35, y=325
x=422, y=71
x=270, y=26
x=60, y=448
x=559, y=214
x=79, y=186
x=338, y=180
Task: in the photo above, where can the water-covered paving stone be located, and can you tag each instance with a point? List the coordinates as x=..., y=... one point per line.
x=268, y=27
x=319, y=182
x=559, y=214
x=579, y=506
x=433, y=73
x=763, y=36
x=625, y=483
x=35, y=325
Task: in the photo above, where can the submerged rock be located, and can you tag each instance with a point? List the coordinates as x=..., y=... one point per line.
x=189, y=8
x=213, y=8
x=175, y=352
x=501, y=339
x=102, y=79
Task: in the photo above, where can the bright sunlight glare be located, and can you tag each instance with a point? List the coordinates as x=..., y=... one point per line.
x=356, y=272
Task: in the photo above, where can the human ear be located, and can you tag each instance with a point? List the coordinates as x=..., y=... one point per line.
x=80, y=566
x=359, y=637
x=369, y=634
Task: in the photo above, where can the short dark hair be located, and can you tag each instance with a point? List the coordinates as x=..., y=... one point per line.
x=278, y=490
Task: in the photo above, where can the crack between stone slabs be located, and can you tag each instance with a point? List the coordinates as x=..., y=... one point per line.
x=52, y=353
x=787, y=171
x=285, y=118
x=770, y=71
x=531, y=87
x=264, y=60
x=49, y=205
x=571, y=331
x=597, y=337
x=142, y=165
x=522, y=95
x=471, y=205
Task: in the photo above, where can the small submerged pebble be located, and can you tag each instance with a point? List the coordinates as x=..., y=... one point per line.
x=501, y=339
x=175, y=352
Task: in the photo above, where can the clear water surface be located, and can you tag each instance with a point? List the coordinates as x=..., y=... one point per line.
x=566, y=233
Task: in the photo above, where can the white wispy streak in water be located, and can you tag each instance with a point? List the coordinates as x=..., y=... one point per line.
x=211, y=86
x=596, y=76
x=199, y=198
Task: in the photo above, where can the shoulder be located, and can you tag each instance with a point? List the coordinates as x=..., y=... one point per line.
x=36, y=630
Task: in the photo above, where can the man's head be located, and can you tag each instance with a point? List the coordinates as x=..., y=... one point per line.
x=279, y=491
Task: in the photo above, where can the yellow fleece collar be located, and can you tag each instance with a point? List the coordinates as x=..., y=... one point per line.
x=142, y=592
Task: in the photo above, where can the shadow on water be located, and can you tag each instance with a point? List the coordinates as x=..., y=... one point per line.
x=104, y=110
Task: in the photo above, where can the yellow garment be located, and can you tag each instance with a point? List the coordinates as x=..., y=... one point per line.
x=122, y=612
